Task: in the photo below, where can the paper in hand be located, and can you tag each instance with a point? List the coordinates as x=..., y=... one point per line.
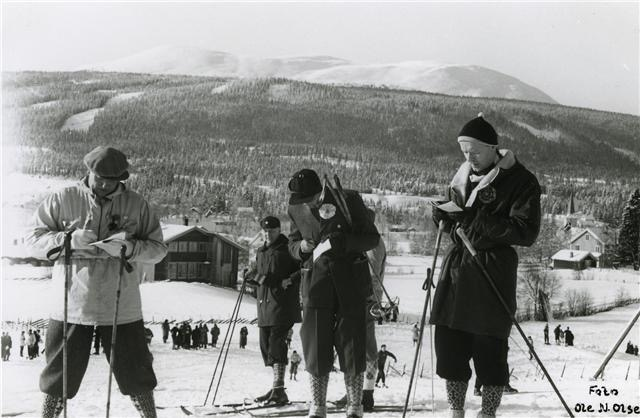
x=323, y=247
x=449, y=207
x=116, y=240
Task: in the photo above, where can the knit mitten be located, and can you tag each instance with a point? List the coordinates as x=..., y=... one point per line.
x=491, y=397
x=145, y=404
x=52, y=406
x=353, y=384
x=318, y=405
x=456, y=393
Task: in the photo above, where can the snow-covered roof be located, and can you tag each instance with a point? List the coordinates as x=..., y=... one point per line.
x=572, y=255
x=585, y=231
x=171, y=232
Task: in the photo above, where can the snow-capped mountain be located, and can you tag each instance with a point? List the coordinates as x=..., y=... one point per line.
x=458, y=80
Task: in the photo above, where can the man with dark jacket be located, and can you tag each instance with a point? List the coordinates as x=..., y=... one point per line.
x=500, y=201
x=277, y=276
x=336, y=283
x=381, y=360
x=165, y=330
x=215, y=333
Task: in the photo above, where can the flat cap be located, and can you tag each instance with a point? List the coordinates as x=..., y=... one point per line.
x=269, y=222
x=108, y=163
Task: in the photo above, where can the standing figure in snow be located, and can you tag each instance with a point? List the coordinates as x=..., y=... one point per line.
x=336, y=283
x=175, y=337
x=500, y=201
x=244, y=332
x=96, y=341
x=277, y=276
x=382, y=360
x=215, y=333
x=415, y=333
x=295, y=362
x=165, y=330
x=99, y=206
x=568, y=337
x=556, y=333
x=23, y=342
x=546, y=333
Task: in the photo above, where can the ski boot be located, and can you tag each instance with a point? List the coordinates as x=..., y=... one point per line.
x=264, y=397
x=509, y=390
x=342, y=402
x=278, y=397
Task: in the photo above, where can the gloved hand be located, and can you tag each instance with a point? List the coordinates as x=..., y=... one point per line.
x=81, y=238
x=462, y=217
x=307, y=246
x=440, y=215
x=113, y=248
x=286, y=283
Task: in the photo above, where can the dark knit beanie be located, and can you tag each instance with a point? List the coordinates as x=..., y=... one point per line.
x=269, y=222
x=480, y=130
x=303, y=186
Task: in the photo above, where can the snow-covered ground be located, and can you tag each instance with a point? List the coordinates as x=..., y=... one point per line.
x=184, y=376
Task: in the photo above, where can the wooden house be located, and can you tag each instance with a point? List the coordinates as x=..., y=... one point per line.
x=198, y=255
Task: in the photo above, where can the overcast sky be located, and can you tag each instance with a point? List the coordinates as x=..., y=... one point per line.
x=581, y=54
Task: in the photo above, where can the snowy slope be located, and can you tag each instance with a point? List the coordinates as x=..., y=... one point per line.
x=459, y=80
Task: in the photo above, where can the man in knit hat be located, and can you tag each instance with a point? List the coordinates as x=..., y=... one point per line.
x=277, y=276
x=99, y=206
x=500, y=201
x=336, y=283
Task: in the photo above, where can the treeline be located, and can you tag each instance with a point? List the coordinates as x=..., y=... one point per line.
x=211, y=142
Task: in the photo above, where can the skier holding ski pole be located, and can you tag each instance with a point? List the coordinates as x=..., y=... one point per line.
x=98, y=207
x=329, y=237
x=277, y=277
x=495, y=200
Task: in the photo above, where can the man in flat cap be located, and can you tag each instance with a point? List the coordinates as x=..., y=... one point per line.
x=277, y=276
x=336, y=283
x=99, y=206
x=500, y=201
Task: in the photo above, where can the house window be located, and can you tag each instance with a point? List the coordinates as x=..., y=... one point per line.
x=172, y=271
x=183, y=246
x=578, y=247
x=193, y=247
x=173, y=247
x=203, y=247
x=598, y=249
x=183, y=271
x=586, y=237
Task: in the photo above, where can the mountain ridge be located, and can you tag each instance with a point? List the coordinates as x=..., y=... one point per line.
x=424, y=75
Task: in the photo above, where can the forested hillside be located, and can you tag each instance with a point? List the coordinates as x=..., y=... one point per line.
x=210, y=142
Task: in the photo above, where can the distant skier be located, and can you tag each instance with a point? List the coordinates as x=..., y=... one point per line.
x=165, y=330
x=556, y=333
x=530, y=351
x=568, y=337
x=244, y=332
x=215, y=333
x=381, y=360
x=23, y=342
x=415, y=332
x=175, y=337
x=546, y=333
x=295, y=362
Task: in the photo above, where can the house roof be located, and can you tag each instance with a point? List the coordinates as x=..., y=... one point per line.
x=171, y=232
x=572, y=255
x=586, y=231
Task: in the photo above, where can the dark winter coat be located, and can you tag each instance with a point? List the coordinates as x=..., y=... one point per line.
x=277, y=306
x=504, y=210
x=382, y=358
x=343, y=269
x=215, y=332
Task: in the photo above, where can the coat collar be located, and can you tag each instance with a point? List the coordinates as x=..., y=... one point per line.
x=461, y=178
x=280, y=241
x=84, y=185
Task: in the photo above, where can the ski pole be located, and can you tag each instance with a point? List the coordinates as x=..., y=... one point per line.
x=112, y=354
x=65, y=336
x=226, y=341
x=427, y=285
x=514, y=321
x=235, y=321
